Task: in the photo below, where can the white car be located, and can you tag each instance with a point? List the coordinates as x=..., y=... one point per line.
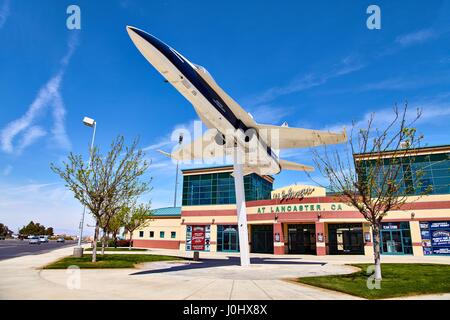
x=34, y=240
x=43, y=239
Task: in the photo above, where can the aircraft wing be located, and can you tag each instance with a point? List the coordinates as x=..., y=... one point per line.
x=289, y=165
x=283, y=137
x=201, y=148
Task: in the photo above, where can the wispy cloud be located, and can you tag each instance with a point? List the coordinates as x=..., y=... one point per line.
x=51, y=204
x=49, y=96
x=431, y=112
x=4, y=12
x=311, y=80
x=270, y=114
x=415, y=37
x=7, y=170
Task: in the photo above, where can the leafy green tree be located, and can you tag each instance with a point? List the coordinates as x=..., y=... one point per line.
x=111, y=180
x=49, y=231
x=134, y=218
x=116, y=223
x=33, y=229
x=4, y=231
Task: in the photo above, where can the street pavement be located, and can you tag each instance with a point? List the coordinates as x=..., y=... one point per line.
x=216, y=276
x=11, y=248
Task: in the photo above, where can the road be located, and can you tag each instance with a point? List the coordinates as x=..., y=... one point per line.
x=16, y=248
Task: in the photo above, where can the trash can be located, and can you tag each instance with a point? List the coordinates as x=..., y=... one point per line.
x=78, y=252
x=196, y=256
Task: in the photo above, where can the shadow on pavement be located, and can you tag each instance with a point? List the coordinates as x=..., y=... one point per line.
x=231, y=261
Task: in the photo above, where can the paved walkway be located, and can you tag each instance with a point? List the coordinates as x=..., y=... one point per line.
x=215, y=277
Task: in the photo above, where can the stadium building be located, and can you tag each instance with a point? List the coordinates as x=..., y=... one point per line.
x=300, y=219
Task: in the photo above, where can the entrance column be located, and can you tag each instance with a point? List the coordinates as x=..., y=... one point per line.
x=416, y=238
x=321, y=249
x=278, y=238
x=368, y=244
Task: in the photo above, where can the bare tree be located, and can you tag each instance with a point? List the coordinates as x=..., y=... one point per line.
x=135, y=217
x=372, y=172
x=111, y=181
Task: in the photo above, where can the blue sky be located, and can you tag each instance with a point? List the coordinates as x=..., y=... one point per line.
x=314, y=64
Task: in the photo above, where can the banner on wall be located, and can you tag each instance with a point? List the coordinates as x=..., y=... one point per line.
x=435, y=237
x=198, y=238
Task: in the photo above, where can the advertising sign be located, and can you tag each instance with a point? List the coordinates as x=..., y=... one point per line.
x=440, y=238
x=198, y=238
x=435, y=237
x=390, y=226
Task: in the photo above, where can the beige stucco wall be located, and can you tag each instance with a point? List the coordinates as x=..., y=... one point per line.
x=159, y=224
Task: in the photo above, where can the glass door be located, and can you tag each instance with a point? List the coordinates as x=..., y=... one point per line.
x=391, y=242
x=230, y=240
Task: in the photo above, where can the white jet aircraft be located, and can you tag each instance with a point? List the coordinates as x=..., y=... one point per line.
x=219, y=111
x=255, y=147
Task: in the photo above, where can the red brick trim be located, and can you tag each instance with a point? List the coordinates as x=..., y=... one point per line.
x=406, y=206
x=278, y=250
x=321, y=251
x=160, y=244
x=432, y=219
x=203, y=213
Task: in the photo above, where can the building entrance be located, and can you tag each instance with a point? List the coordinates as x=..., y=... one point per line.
x=396, y=238
x=302, y=238
x=262, y=238
x=345, y=238
x=227, y=238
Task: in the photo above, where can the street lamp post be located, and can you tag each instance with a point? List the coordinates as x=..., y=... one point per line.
x=180, y=141
x=78, y=250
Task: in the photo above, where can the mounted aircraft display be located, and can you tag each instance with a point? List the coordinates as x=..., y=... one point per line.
x=219, y=111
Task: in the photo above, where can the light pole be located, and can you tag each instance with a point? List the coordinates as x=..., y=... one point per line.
x=180, y=140
x=78, y=251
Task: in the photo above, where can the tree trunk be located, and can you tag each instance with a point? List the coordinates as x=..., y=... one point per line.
x=131, y=240
x=94, y=250
x=376, y=251
x=103, y=242
x=115, y=239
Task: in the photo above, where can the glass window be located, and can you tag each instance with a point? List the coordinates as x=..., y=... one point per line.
x=218, y=188
x=173, y=234
x=141, y=234
x=161, y=234
x=152, y=234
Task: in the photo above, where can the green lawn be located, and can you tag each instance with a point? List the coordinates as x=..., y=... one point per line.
x=108, y=261
x=398, y=280
x=99, y=249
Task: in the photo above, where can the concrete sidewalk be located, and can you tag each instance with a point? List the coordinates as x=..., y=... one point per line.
x=217, y=276
x=22, y=279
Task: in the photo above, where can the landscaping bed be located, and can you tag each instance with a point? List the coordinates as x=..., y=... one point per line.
x=99, y=249
x=398, y=280
x=109, y=261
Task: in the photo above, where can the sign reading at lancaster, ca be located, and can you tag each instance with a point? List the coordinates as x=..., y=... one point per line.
x=301, y=208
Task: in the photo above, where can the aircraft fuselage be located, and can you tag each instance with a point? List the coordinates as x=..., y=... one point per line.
x=207, y=102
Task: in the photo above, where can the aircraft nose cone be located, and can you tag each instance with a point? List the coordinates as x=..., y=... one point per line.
x=131, y=29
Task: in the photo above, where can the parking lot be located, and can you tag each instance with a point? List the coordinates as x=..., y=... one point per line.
x=16, y=248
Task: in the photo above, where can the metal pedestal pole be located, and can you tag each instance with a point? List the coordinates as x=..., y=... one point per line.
x=241, y=208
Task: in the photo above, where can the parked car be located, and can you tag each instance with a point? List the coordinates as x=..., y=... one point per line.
x=2, y=238
x=43, y=239
x=60, y=239
x=34, y=240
